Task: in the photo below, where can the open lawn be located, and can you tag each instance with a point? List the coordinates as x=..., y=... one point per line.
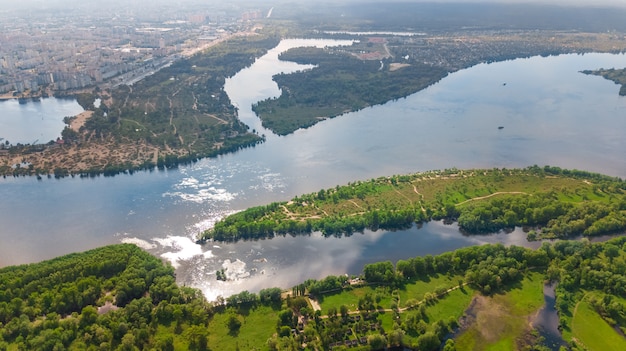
x=257, y=326
x=416, y=289
x=589, y=329
x=350, y=298
x=452, y=304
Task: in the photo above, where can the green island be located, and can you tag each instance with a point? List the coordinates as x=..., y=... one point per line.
x=340, y=82
x=551, y=202
x=616, y=75
x=477, y=298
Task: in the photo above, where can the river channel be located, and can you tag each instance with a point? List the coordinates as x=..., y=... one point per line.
x=551, y=114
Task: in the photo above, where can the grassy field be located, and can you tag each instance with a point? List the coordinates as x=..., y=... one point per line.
x=452, y=304
x=350, y=298
x=590, y=330
x=498, y=321
x=416, y=290
x=256, y=327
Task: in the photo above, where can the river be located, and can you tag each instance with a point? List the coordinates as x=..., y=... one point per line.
x=551, y=114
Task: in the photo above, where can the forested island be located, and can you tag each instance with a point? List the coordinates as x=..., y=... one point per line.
x=549, y=201
x=121, y=298
x=339, y=83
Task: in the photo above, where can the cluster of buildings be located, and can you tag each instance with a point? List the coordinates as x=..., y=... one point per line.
x=49, y=52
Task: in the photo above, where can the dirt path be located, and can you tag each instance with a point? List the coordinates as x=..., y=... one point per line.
x=217, y=118
x=355, y=204
x=494, y=194
x=316, y=306
x=421, y=197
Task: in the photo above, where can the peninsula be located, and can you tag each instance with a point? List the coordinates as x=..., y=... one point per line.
x=616, y=75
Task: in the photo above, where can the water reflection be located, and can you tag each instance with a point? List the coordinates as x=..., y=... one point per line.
x=287, y=261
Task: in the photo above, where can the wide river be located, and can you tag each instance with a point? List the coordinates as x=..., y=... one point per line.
x=551, y=114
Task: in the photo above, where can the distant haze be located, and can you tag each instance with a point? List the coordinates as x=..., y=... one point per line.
x=33, y=4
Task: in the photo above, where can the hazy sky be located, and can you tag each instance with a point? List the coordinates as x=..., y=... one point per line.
x=24, y=6
x=26, y=3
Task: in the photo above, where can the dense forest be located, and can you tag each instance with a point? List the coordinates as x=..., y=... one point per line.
x=549, y=202
x=116, y=297
x=121, y=298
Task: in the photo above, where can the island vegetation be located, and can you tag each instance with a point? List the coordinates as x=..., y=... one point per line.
x=476, y=298
x=616, y=75
x=549, y=202
x=340, y=82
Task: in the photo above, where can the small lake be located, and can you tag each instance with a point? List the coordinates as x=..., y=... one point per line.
x=35, y=121
x=551, y=114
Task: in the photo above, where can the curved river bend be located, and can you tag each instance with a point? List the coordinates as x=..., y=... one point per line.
x=551, y=114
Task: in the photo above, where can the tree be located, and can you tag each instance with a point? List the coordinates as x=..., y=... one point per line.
x=611, y=251
x=449, y=346
x=343, y=309
x=377, y=342
x=428, y=341
x=128, y=343
x=197, y=336
x=233, y=324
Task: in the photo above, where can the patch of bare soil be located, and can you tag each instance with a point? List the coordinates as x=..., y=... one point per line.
x=108, y=306
x=93, y=155
x=396, y=66
x=80, y=119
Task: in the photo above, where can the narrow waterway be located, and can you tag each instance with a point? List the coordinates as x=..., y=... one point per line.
x=547, y=320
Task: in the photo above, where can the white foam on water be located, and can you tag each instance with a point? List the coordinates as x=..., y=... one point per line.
x=235, y=270
x=202, y=190
x=139, y=242
x=203, y=195
x=182, y=249
x=209, y=221
x=269, y=182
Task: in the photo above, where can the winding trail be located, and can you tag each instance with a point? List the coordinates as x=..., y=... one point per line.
x=421, y=197
x=494, y=194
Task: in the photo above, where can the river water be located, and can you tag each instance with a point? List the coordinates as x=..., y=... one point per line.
x=551, y=114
